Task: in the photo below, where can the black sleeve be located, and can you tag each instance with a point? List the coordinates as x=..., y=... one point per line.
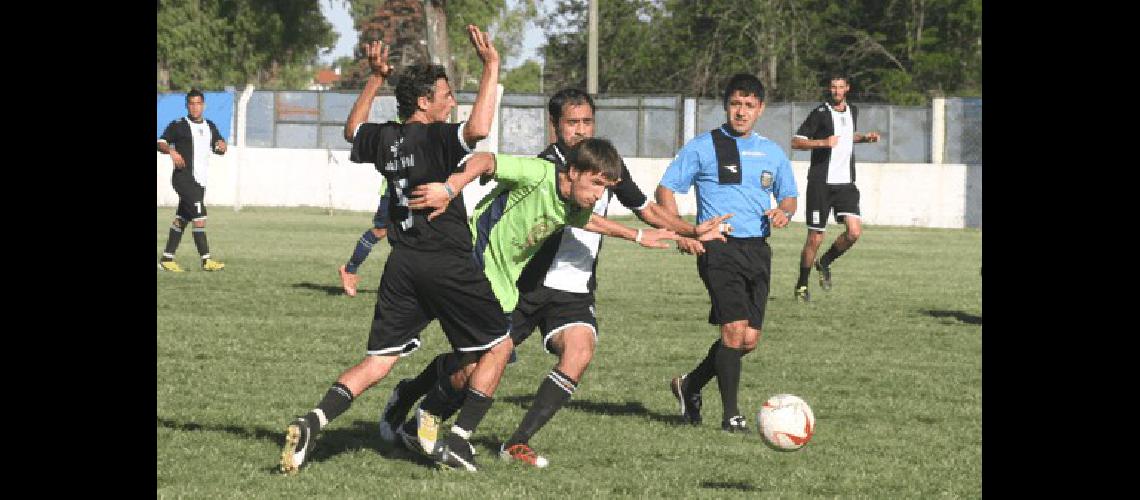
x=365, y=143
x=453, y=148
x=627, y=191
x=171, y=133
x=810, y=127
x=215, y=136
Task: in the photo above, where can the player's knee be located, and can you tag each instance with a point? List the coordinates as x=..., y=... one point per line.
x=732, y=335
x=815, y=238
x=379, y=232
x=853, y=234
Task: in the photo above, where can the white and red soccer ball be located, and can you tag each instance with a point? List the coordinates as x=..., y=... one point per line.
x=786, y=422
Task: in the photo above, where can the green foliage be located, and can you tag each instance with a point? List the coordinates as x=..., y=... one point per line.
x=890, y=360
x=687, y=47
x=506, y=26
x=214, y=43
x=525, y=78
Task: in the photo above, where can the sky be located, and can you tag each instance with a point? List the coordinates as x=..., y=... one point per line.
x=337, y=14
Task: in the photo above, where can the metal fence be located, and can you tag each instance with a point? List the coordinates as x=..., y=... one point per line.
x=643, y=126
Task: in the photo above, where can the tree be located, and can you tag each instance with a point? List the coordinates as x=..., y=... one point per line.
x=214, y=43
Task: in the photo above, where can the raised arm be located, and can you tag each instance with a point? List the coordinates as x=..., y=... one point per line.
x=377, y=54
x=479, y=123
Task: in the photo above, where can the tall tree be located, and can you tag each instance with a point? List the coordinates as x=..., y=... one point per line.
x=214, y=43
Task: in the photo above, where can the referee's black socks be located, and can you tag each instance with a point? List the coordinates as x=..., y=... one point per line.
x=728, y=378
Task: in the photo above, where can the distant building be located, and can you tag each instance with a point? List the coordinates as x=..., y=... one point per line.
x=325, y=79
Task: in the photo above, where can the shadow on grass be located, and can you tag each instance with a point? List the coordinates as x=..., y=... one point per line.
x=958, y=315
x=330, y=289
x=628, y=408
x=360, y=435
x=720, y=485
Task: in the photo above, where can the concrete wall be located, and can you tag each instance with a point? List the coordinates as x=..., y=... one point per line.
x=896, y=194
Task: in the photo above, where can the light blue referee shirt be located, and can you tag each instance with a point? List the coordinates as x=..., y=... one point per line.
x=766, y=173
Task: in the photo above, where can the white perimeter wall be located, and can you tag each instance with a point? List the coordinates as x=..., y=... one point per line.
x=896, y=194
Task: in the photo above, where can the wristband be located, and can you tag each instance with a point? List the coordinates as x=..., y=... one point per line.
x=638, y=238
x=450, y=193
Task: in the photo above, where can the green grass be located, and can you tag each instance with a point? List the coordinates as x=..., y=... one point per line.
x=890, y=361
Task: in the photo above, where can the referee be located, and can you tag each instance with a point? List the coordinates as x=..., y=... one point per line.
x=735, y=171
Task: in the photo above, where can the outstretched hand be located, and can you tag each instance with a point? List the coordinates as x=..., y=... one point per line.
x=429, y=196
x=655, y=238
x=377, y=54
x=690, y=246
x=482, y=43
x=778, y=217
x=714, y=228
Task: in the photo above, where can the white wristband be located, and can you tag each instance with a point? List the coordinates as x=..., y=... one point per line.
x=638, y=238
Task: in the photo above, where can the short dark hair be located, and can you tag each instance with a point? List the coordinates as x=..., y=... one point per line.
x=564, y=97
x=836, y=76
x=194, y=93
x=596, y=155
x=414, y=82
x=747, y=84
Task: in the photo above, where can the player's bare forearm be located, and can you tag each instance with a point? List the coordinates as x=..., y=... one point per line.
x=377, y=55
x=666, y=199
x=657, y=216
x=649, y=238
x=437, y=195
x=362, y=106
x=483, y=110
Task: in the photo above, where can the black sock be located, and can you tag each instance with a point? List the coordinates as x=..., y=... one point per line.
x=554, y=391
x=336, y=401
x=475, y=407
x=804, y=273
x=728, y=378
x=200, y=242
x=832, y=254
x=705, y=371
x=172, y=242
x=436, y=370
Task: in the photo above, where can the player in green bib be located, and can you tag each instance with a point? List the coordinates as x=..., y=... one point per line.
x=531, y=201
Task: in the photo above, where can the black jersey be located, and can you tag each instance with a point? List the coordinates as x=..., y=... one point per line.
x=819, y=125
x=180, y=136
x=409, y=155
x=567, y=260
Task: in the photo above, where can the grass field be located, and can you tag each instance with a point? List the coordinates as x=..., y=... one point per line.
x=890, y=360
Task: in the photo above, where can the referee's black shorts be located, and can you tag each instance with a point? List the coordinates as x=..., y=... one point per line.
x=419, y=286
x=191, y=196
x=551, y=311
x=737, y=275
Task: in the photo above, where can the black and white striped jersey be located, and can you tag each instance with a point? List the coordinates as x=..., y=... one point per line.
x=567, y=260
x=831, y=165
x=195, y=142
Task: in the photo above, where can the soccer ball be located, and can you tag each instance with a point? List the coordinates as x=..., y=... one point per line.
x=786, y=422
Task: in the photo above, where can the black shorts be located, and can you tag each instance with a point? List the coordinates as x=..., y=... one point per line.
x=551, y=311
x=737, y=276
x=417, y=287
x=191, y=197
x=822, y=197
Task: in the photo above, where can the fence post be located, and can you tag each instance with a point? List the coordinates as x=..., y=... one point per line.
x=937, y=129
x=240, y=125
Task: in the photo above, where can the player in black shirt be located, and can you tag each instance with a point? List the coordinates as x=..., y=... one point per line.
x=189, y=142
x=556, y=294
x=829, y=133
x=430, y=273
